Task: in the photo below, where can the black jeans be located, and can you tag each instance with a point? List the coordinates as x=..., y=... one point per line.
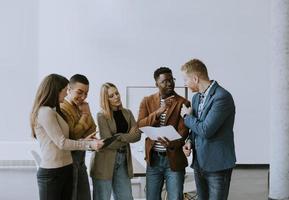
x=55, y=184
x=213, y=185
x=81, y=189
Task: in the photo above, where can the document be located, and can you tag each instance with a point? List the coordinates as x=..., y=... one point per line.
x=163, y=131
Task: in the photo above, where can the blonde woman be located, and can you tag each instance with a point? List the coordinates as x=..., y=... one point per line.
x=111, y=168
x=54, y=176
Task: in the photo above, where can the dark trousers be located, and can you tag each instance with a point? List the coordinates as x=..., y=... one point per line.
x=55, y=184
x=213, y=185
x=81, y=188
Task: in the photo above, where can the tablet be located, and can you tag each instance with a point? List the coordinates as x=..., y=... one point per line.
x=109, y=140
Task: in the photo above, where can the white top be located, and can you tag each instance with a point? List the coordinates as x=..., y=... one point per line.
x=52, y=132
x=157, y=145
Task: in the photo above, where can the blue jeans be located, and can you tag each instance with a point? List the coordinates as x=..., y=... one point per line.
x=213, y=185
x=120, y=183
x=157, y=172
x=81, y=189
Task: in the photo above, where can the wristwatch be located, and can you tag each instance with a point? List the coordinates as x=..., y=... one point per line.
x=88, y=147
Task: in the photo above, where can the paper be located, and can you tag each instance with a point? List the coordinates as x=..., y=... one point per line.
x=163, y=131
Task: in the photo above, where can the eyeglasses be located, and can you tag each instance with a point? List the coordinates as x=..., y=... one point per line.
x=165, y=82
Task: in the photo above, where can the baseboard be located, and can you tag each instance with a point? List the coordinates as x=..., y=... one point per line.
x=17, y=154
x=17, y=164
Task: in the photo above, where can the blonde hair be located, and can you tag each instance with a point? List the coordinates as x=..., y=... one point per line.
x=104, y=102
x=197, y=67
x=47, y=95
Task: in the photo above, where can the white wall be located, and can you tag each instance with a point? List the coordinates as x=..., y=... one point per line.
x=18, y=67
x=125, y=41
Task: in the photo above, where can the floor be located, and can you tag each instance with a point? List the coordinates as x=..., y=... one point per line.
x=247, y=184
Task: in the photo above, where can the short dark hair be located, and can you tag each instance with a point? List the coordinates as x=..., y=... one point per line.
x=161, y=70
x=79, y=78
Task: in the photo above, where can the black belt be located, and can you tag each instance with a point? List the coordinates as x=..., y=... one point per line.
x=121, y=150
x=160, y=153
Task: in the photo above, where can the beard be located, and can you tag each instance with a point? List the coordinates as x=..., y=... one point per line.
x=194, y=88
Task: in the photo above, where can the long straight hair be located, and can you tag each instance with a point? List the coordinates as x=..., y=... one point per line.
x=47, y=95
x=104, y=102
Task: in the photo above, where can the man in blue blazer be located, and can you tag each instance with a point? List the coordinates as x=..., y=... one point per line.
x=211, y=121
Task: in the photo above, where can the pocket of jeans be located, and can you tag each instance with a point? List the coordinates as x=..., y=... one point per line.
x=47, y=176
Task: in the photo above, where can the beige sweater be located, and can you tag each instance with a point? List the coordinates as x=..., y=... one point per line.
x=52, y=132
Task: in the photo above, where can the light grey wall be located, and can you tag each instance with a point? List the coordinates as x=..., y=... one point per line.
x=125, y=41
x=18, y=66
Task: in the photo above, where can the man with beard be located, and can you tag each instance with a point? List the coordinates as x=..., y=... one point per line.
x=165, y=159
x=211, y=120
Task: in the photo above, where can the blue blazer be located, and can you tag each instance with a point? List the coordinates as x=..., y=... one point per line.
x=212, y=135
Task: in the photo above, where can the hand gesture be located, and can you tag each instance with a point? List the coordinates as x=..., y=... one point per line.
x=84, y=108
x=187, y=149
x=166, y=105
x=186, y=110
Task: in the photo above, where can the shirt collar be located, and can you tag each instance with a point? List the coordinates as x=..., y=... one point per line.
x=206, y=92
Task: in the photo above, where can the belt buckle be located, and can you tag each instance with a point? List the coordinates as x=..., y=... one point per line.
x=121, y=150
x=160, y=153
x=163, y=153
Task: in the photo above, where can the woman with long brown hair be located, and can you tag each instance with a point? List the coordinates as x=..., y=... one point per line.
x=111, y=168
x=52, y=132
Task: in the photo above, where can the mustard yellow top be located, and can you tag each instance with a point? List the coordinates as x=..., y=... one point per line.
x=80, y=126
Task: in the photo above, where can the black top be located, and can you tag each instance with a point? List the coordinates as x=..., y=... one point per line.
x=121, y=123
x=121, y=126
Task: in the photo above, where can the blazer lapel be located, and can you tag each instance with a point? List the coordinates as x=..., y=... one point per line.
x=126, y=116
x=156, y=102
x=195, y=102
x=112, y=125
x=209, y=97
x=170, y=110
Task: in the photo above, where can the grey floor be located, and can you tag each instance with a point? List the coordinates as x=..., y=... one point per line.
x=247, y=184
